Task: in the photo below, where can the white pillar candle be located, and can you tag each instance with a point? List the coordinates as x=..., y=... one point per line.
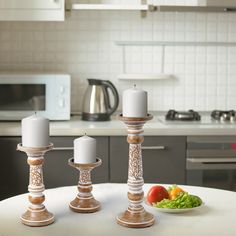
x=134, y=103
x=35, y=131
x=85, y=150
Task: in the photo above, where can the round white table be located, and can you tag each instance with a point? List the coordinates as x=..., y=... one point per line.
x=216, y=217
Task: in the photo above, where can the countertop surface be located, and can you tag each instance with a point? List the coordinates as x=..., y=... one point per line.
x=216, y=217
x=157, y=126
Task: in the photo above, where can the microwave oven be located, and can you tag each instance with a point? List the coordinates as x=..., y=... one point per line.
x=21, y=95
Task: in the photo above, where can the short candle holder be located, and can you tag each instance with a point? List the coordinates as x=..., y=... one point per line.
x=36, y=214
x=135, y=216
x=84, y=201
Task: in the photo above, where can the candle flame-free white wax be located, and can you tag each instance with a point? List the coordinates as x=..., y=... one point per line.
x=35, y=131
x=85, y=150
x=134, y=103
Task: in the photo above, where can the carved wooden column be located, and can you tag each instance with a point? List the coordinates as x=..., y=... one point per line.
x=84, y=201
x=36, y=214
x=135, y=216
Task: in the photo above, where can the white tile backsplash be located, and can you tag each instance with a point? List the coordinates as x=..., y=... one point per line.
x=84, y=46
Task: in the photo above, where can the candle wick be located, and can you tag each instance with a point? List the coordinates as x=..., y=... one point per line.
x=134, y=85
x=85, y=134
x=35, y=112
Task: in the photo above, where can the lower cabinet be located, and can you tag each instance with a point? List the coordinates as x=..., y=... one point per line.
x=15, y=170
x=163, y=162
x=164, y=159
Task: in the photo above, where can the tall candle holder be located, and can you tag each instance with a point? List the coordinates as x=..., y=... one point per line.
x=84, y=201
x=36, y=214
x=135, y=216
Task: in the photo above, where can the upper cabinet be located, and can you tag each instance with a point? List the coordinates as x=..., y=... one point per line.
x=32, y=10
x=217, y=3
x=157, y=5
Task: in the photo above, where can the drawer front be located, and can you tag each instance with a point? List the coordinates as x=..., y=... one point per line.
x=164, y=159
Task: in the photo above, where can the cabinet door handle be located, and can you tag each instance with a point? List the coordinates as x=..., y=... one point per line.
x=212, y=160
x=153, y=148
x=63, y=149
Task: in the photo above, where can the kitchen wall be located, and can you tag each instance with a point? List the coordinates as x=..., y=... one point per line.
x=84, y=46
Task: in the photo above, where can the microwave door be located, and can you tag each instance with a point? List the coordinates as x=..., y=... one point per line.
x=22, y=97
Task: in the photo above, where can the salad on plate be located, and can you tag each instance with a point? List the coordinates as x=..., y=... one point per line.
x=173, y=200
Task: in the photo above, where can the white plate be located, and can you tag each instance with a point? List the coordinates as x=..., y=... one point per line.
x=170, y=210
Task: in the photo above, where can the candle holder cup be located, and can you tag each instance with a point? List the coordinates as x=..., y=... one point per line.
x=36, y=214
x=84, y=201
x=135, y=216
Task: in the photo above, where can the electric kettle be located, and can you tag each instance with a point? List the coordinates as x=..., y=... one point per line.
x=97, y=100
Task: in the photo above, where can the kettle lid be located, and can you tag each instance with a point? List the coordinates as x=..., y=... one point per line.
x=95, y=81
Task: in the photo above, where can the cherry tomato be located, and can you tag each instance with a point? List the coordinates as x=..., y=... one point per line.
x=173, y=193
x=156, y=194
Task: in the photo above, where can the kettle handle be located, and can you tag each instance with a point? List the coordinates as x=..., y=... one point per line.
x=108, y=84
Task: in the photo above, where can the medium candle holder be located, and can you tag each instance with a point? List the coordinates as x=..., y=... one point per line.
x=84, y=201
x=135, y=216
x=36, y=214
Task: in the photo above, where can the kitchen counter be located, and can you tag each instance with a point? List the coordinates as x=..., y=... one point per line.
x=216, y=217
x=77, y=127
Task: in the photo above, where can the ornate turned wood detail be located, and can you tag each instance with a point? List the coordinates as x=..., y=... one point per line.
x=36, y=176
x=135, y=162
x=135, y=139
x=85, y=176
x=36, y=200
x=36, y=214
x=135, y=216
x=39, y=160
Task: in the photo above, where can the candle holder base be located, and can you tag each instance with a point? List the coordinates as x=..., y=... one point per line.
x=84, y=201
x=37, y=217
x=81, y=205
x=135, y=220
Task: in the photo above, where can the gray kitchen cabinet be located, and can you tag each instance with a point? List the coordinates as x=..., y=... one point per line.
x=164, y=159
x=15, y=170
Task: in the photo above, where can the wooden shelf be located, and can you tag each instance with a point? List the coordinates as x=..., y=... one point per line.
x=152, y=76
x=175, y=43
